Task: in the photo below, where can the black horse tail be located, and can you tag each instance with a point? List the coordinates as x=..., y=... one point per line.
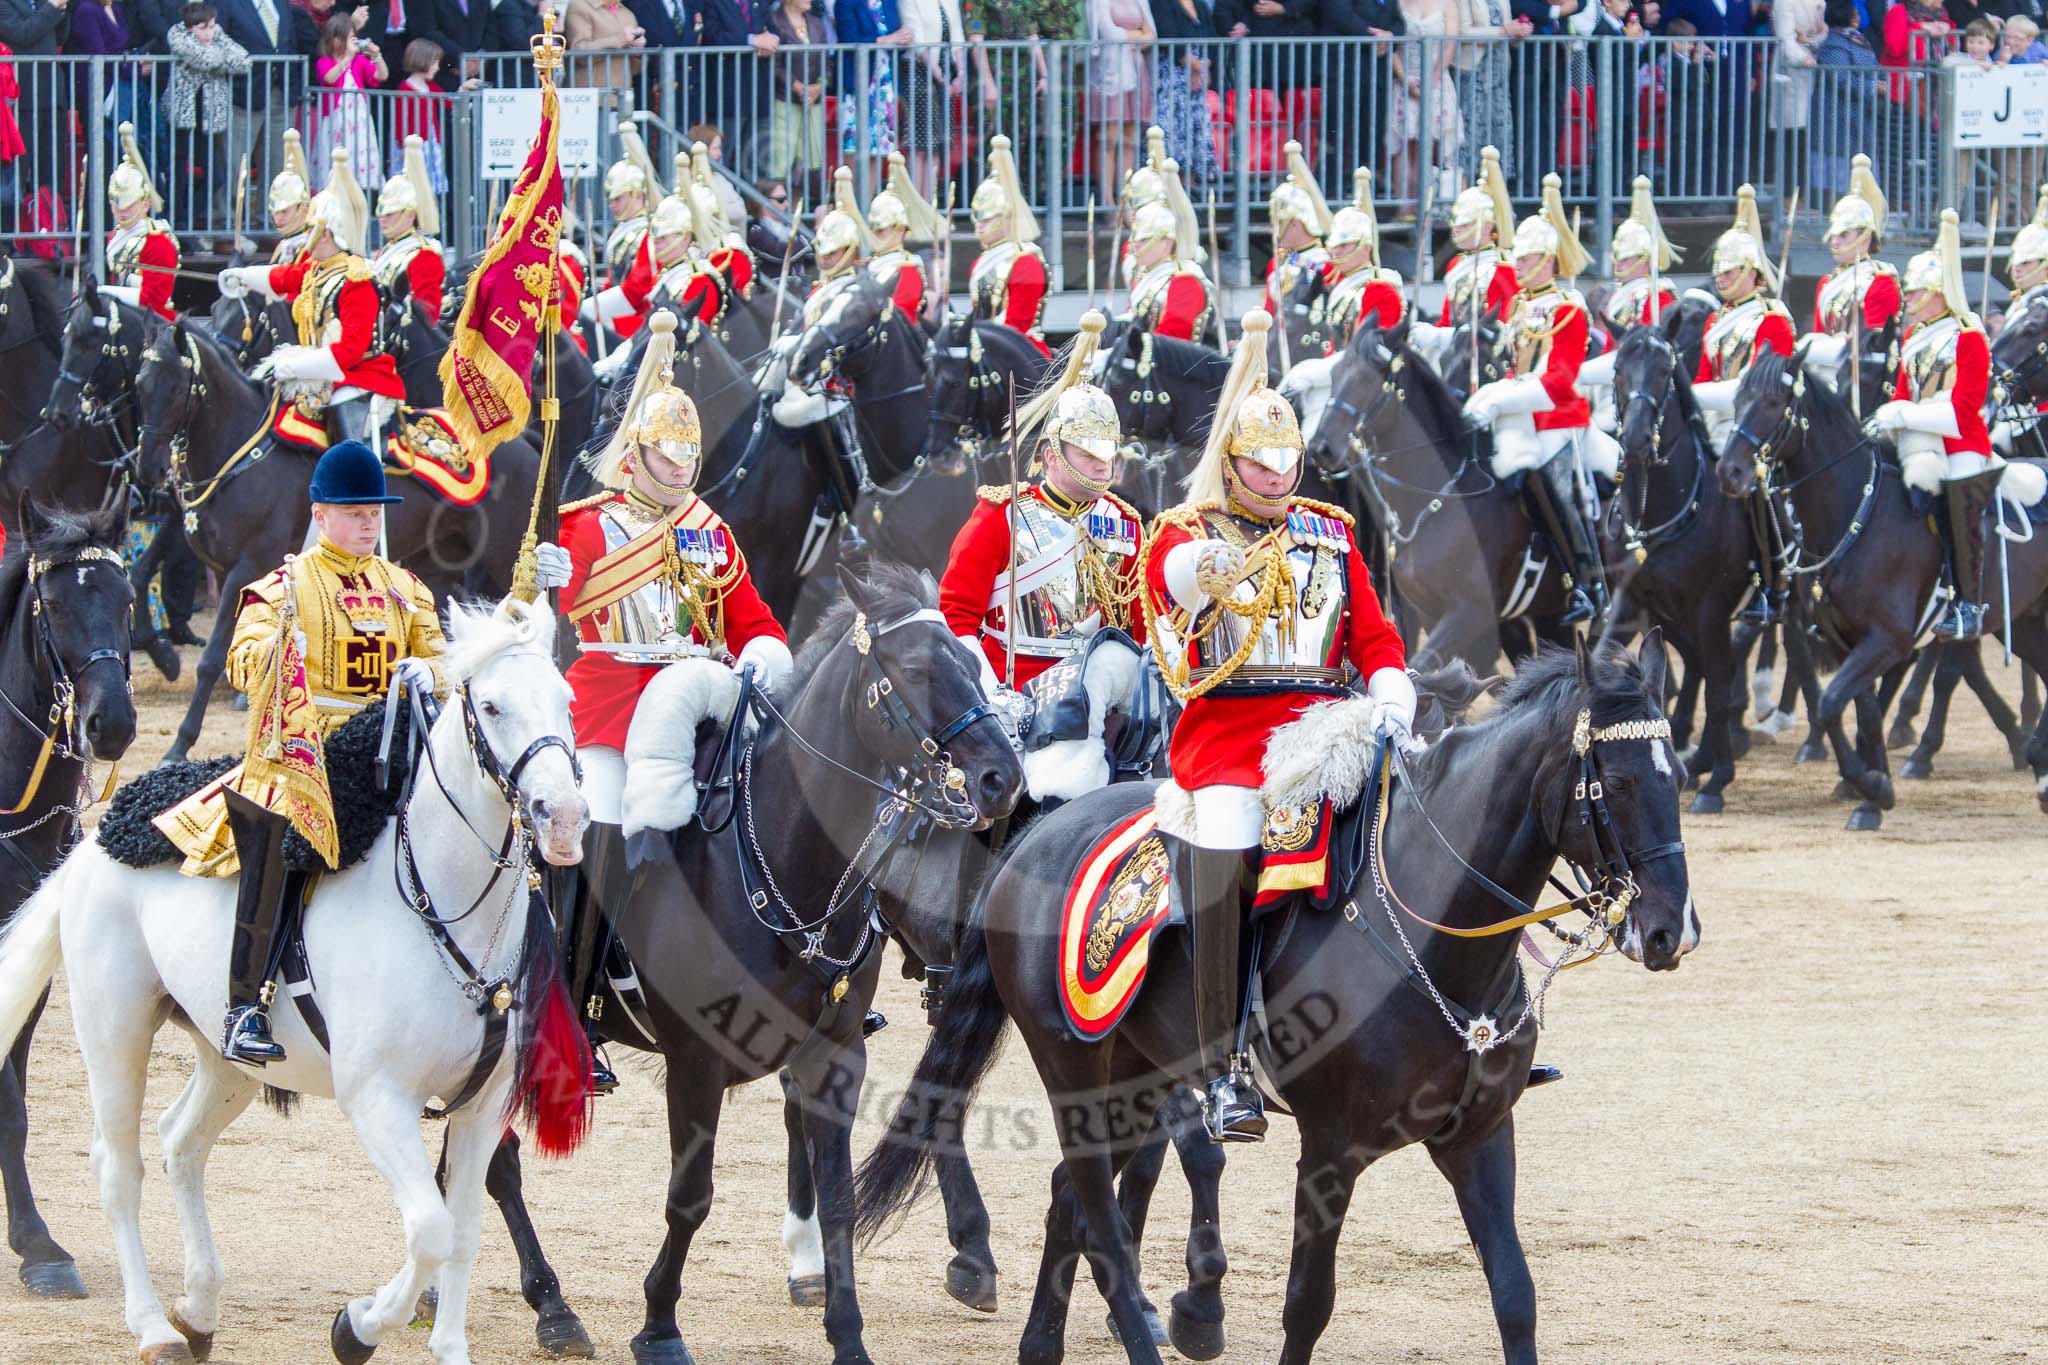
x=933, y=1115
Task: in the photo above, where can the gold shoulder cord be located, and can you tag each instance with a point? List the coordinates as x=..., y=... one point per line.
x=1275, y=596
x=702, y=593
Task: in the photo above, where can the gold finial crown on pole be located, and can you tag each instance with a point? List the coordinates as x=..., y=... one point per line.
x=548, y=48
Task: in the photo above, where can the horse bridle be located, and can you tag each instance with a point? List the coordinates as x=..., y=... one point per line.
x=111, y=350
x=1638, y=539
x=1794, y=381
x=62, y=739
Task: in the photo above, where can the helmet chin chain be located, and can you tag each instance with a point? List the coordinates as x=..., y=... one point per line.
x=1254, y=503
x=1094, y=488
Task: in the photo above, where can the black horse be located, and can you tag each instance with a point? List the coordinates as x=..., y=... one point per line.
x=31, y=328
x=65, y=601
x=740, y=981
x=205, y=434
x=1462, y=553
x=1683, y=549
x=1866, y=557
x=1373, y=1008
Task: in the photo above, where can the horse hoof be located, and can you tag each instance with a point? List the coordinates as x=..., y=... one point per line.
x=178, y=753
x=168, y=1353
x=1877, y=789
x=972, y=1283
x=1845, y=790
x=1152, y=1322
x=1865, y=817
x=562, y=1336
x=1901, y=736
x=239, y=702
x=423, y=1311
x=807, y=1291
x=661, y=1351
x=53, y=1279
x=1193, y=1338
x=1916, y=769
x=348, y=1347
x=1810, y=752
x=200, y=1342
x=1739, y=741
x=1706, y=803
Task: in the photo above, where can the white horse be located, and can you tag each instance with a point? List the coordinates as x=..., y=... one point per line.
x=144, y=946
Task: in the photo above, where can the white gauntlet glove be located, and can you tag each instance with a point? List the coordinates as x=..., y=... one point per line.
x=1393, y=694
x=417, y=675
x=551, y=567
x=1889, y=417
x=1219, y=568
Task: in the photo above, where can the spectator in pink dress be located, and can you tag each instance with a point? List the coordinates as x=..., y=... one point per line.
x=346, y=67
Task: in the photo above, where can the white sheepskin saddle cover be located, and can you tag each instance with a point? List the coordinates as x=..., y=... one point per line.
x=661, y=743
x=1326, y=751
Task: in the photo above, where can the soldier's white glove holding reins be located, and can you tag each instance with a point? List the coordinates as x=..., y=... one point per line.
x=417, y=675
x=551, y=566
x=1392, y=693
x=305, y=363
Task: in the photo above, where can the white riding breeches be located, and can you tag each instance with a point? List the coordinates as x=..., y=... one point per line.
x=604, y=782
x=1228, y=817
x=1926, y=465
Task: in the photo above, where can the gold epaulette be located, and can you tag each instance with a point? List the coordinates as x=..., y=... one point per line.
x=1328, y=509
x=269, y=588
x=996, y=494
x=592, y=501
x=1126, y=509
x=1187, y=517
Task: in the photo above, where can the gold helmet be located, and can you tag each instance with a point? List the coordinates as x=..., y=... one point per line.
x=1487, y=201
x=1298, y=198
x=633, y=172
x=681, y=215
x=410, y=189
x=900, y=205
x=657, y=414
x=1743, y=244
x=1001, y=196
x=839, y=232
x=130, y=181
x=1354, y=223
x=1153, y=222
x=340, y=210
x=1252, y=420
x=1072, y=411
x=1144, y=185
x=1640, y=233
x=1549, y=233
x=844, y=204
x=291, y=186
x=1863, y=207
x=2030, y=245
x=1942, y=269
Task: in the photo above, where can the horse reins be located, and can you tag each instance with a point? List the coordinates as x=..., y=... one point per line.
x=64, y=687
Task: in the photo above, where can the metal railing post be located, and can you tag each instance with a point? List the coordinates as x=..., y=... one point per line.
x=1606, y=147
x=1241, y=157
x=97, y=164
x=465, y=159
x=1950, y=181
x=1055, y=181
x=863, y=77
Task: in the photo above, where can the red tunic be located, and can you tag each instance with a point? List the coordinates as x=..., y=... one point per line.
x=1182, y=309
x=1023, y=289
x=157, y=258
x=980, y=554
x=1775, y=332
x=736, y=265
x=1881, y=301
x=1971, y=387
x=1569, y=408
x=1500, y=290
x=356, y=307
x=909, y=292
x=642, y=278
x=1221, y=737
x=606, y=690
x=427, y=273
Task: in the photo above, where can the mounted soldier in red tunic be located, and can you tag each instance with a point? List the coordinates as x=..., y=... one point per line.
x=1008, y=281
x=290, y=201
x=142, y=252
x=1170, y=294
x=1358, y=286
x=666, y=617
x=1749, y=319
x=1045, y=575
x=1260, y=606
x=896, y=216
x=1861, y=292
x=1300, y=218
x=631, y=189
x=1478, y=284
x=408, y=215
x=672, y=267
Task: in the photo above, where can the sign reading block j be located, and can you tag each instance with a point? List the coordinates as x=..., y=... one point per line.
x=2000, y=106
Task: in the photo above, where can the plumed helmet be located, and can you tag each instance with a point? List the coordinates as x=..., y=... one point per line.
x=1641, y=233
x=291, y=186
x=844, y=202
x=836, y=234
x=634, y=170
x=1085, y=416
x=350, y=474
x=656, y=412
x=411, y=189
x=1153, y=222
x=1863, y=207
x=1549, y=234
x=1487, y=201
x=886, y=211
x=130, y=181
x=1000, y=195
x=1265, y=429
x=1144, y=186
x=1942, y=269
x=1743, y=244
x=1251, y=419
x=919, y=219
x=1298, y=198
x=1072, y=410
x=2030, y=245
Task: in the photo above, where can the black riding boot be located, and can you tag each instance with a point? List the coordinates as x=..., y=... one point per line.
x=1556, y=512
x=1962, y=526
x=259, y=905
x=1207, y=884
x=594, y=882
x=1767, y=603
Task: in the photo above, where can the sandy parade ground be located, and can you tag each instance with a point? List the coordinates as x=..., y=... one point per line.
x=1817, y=1141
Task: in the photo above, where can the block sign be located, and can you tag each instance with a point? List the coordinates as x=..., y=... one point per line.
x=508, y=120
x=2000, y=106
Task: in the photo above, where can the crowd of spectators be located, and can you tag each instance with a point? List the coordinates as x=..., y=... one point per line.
x=1450, y=77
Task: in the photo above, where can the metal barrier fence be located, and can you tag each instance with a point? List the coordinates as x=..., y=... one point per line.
x=1700, y=117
